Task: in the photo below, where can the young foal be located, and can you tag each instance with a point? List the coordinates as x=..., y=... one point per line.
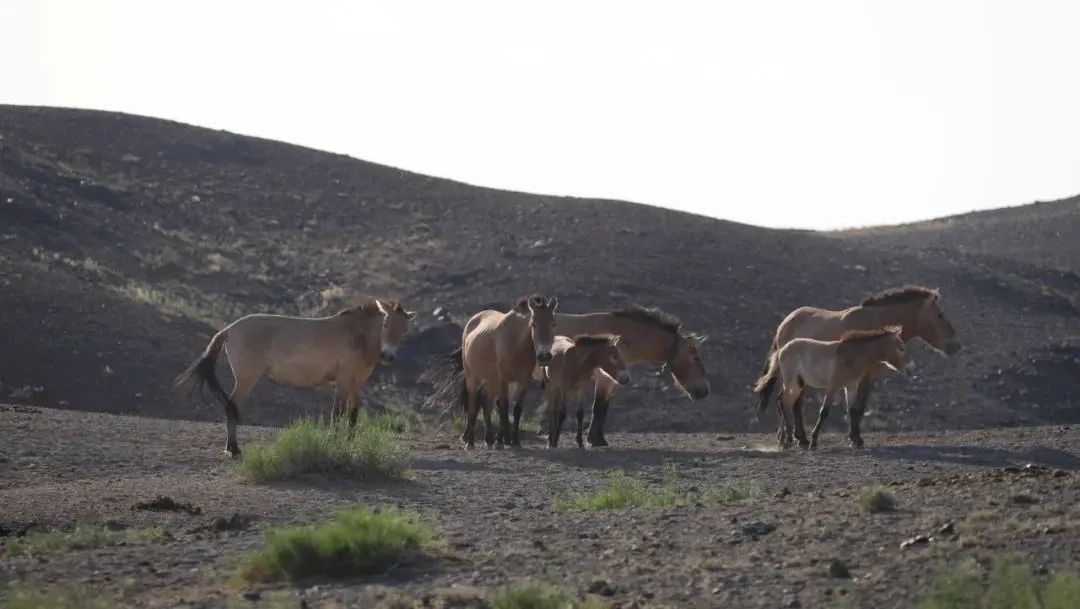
x=832, y=366
x=301, y=352
x=498, y=354
x=916, y=308
x=573, y=364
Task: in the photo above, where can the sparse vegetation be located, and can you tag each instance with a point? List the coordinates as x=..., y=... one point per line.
x=82, y=537
x=728, y=494
x=1010, y=585
x=626, y=491
x=25, y=596
x=371, y=450
x=537, y=595
x=875, y=499
x=359, y=541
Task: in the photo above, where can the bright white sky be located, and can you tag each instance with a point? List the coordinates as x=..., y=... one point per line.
x=780, y=113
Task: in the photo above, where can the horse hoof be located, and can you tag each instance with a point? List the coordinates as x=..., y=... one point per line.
x=803, y=444
x=813, y=446
x=857, y=443
x=597, y=442
x=233, y=453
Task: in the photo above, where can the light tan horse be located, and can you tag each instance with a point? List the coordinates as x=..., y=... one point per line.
x=300, y=352
x=917, y=309
x=498, y=354
x=834, y=366
x=648, y=335
x=573, y=364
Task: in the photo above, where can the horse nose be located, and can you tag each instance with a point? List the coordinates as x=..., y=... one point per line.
x=388, y=358
x=699, y=393
x=624, y=378
x=543, y=357
x=952, y=348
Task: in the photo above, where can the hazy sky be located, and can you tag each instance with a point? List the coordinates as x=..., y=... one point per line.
x=781, y=113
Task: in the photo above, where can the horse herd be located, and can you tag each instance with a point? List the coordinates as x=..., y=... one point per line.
x=501, y=353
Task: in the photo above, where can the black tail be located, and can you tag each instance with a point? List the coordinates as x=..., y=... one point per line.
x=202, y=372
x=449, y=380
x=767, y=382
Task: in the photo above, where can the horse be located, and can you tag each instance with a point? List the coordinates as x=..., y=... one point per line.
x=833, y=366
x=574, y=362
x=498, y=354
x=916, y=308
x=648, y=335
x=301, y=352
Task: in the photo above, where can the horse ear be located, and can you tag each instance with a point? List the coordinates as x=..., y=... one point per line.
x=699, y=339
x=410, y=314
x=553, y=303
x=615, y=341
x=382, y=307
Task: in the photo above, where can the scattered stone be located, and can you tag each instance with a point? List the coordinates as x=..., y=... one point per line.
x=918, y=540
x=163, y=503
x=837, y=568
x=236, y=522
x=252, y=595
x=602, y=587
x=756, y=529
x=1021, y=499
x=1060, y=473
x=784, y=492
x=947, y=528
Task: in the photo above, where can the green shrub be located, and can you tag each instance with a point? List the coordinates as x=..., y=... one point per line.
x=626, y=491
x=728, y=494
x=1009, y=586
x=874, y=499
x=536, y=595
x=82, y=537
x=308, y=446
x=358, y=541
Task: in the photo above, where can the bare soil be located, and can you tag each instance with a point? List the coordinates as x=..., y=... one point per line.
x=975, y=494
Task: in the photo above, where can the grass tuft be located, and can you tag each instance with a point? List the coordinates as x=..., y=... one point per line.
x=358, y=541
x=82, y=537
x=728, y=494
x=23, y=596
x=537, y=595
x=626, y=491
x=1010, y=586
x=375, y=450
x=875, y=499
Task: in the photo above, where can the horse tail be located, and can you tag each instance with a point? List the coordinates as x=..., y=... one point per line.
x=767, y=382
x=449, y=380
x=203, y=373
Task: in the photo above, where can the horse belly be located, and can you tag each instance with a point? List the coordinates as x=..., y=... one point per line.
x=299, y=371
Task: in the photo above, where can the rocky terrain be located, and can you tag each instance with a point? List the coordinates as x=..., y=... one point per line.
x=800, y=539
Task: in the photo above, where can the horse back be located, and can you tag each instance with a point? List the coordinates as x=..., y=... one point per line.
x=810, y=322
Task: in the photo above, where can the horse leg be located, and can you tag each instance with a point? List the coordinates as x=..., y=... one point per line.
x=857, y=409
x=468, y=436
x=515, y=433
x=553, y=416
x=601, y=402
x=580, y=422
x=561, y=413
x=239, y=396
x=823, y=414
x=800, y=427
x=789, y=398
x=489, y=431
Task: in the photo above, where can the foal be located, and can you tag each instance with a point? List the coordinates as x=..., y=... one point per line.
x=833, y=366
x=573, y=364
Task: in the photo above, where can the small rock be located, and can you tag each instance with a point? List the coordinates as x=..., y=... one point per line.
x=252, y=595
x=758, y=528
x=784, y=492
x=947, y=528
x=837, y=568
x=1022, y=499
x=602, y=587
x=917, y=540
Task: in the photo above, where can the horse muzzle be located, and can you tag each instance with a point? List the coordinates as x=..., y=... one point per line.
x=543, y=358
x=698, y=392
x=623, y=378
x=952, y=348
x=388, y=357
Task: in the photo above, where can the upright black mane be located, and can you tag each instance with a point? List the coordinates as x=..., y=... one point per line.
x=651, y=316
x=898, y=296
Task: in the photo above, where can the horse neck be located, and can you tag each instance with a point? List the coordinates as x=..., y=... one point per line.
x=582, y=362
x=871, y=352
x=871, y=318
x=641, y=343
x=517, y=330
x=368, y=331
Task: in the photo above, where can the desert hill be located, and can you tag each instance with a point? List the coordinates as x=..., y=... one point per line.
x=126, y=241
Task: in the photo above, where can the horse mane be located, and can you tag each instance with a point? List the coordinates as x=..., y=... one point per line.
x=856, y=336
x=650, y=316
x=367, y=307
x=538, y=301
x=900, y=295
x=591, y=340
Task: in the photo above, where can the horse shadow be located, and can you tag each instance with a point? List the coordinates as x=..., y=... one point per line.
x=979, y=456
